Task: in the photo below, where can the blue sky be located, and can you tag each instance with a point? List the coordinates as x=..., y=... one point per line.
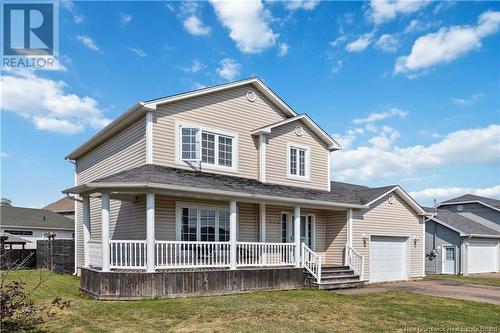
x=411, y=89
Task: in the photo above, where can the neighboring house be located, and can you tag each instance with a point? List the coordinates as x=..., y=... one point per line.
x=230, y=177
x=64, y=206
x=34, y=224
x=463, y=236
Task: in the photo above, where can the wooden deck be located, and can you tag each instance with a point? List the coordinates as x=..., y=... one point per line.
x=136, y=284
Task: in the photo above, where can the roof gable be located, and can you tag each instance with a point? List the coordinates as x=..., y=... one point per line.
x=462, y=224
x=471, y=198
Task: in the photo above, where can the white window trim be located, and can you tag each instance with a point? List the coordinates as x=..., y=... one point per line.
x=289, y=226
x=307, y=176
x=178, y=146
x=178, y=218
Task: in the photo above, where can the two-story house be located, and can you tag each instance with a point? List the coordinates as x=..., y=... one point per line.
x=463, y=236
x=227, y=189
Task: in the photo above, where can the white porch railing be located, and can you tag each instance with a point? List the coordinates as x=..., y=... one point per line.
x=355, y=261
x=127, y=254
x=95, y=259
x=312, y=262
x=183, y=254
x=264, y=254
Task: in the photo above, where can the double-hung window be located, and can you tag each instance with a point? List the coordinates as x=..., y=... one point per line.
x=213, y=149
x=203, y=223
x=298, y=162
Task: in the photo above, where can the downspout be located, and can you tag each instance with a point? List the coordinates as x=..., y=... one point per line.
x=75, y=272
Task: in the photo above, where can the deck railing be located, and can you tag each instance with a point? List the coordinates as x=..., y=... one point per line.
x=264, y=254
x=355, y=261
x=183, y=254
x=127, y=254
x=95, y=253
x=131, y=254
x=311, y=262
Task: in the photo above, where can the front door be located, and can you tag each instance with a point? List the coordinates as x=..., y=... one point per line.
x=449, y=260
x=306, y=229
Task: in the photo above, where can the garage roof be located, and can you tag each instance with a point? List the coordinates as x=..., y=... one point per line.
x=462, y=224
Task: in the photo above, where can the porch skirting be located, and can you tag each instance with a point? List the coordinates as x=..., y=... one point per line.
x=132, y=285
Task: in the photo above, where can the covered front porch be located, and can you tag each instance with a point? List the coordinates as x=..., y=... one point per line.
x=207, y=236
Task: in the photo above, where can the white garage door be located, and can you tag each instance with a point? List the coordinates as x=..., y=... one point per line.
x=388, y=258
x=482, y=257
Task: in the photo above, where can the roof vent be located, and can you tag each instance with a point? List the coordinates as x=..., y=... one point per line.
x=460, y=208
x=391, y=199
x=299, y=130
x=251, y=96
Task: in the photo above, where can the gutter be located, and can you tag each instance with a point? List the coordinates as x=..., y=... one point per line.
x=244, y=195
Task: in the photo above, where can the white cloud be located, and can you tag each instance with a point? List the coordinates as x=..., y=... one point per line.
x=88, y=42
x=346, y=140
x=340, y=40
x=378, y=160
x=388, y=43
x=416, y=25
x=468, y=101
x=4, y=155
x=190, y=16
x=376, y=116
x=360, y=44
x=45, y=103
x=445, y=193
x=248, y=24
x=386, y=10
x=229, y=69
x=447, y=44
x=137, y=51
x=195, y=26
x=337, y=66
x=125, y=18
x=283, y=50
x=195, y=67
x=78, y=18
x=301, y=4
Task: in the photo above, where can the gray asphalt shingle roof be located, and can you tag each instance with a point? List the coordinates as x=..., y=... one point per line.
x=471, y=197
x=464, y=224
x=155, y=174
x=34, y=218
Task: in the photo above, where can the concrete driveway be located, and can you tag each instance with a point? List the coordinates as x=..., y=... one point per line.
x=441, y=288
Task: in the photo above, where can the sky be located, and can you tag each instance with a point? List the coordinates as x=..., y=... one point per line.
x=410, y=89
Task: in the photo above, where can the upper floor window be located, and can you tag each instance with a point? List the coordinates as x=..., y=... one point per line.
x=213, y=149
x=298, y=161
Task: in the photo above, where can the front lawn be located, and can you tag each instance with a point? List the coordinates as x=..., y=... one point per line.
x=307, y=310
x=474, y=279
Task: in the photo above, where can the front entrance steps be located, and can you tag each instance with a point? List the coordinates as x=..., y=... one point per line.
x=336, y=277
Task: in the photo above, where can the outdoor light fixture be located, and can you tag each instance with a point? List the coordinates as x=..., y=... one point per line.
x=366, y=238
x=415, y=240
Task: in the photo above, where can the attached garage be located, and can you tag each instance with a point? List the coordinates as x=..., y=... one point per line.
x=388, y=258
x=482, y=256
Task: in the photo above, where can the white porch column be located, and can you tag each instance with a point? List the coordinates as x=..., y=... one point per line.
x=349, y=227
x=150, y=232
x=296, y=235
x=232, y=234
x=105, y=231
x=262, y=222
x=86, y=229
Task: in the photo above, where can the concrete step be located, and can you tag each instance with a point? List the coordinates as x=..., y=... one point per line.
x=343, y=285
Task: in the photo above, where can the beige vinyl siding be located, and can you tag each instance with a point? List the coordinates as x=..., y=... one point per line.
x=123, y=151
x=228, y=111
x=248, y=222
x=385, y=219
x=277, y=157
x=336, y=237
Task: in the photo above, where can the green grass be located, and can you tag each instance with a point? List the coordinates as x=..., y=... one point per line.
x=307, y=310
x=474, y=279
